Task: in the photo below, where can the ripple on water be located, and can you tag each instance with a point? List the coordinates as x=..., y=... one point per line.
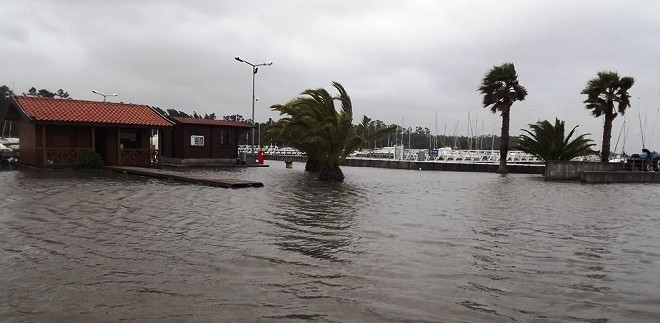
x=385, y=245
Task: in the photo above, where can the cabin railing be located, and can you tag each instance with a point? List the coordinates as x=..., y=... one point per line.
x=61, y=156
x=140, y=157
x=73, y=156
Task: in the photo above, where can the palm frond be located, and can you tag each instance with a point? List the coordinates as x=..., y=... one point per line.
x=549, y=142
x=500, y=87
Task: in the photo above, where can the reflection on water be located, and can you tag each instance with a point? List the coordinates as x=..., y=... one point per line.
x=386, y=245
x=315, y=218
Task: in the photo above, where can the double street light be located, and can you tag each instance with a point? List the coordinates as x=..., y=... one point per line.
x=255, y=68
x=103, y=95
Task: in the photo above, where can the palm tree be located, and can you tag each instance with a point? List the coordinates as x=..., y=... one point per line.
x=312, y=124
x=500, y=89
x=290, y=132
x=548, y=141
x=603, y=92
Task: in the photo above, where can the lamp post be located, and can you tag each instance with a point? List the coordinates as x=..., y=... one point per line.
x=255, y=68
x=103, y=95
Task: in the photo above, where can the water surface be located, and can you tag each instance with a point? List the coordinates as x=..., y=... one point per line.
x=385, y=245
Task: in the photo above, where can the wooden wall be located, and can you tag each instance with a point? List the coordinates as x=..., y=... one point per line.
x=68, y=136
x=180, y=147
x=28, y=143
x=112, y=150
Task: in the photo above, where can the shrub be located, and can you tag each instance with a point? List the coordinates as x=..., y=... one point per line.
x=91, y=161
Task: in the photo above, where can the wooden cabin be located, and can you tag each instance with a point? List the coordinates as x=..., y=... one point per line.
x=59, y=132
x=202, y=141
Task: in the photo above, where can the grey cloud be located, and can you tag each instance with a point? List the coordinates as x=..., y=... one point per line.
x=399, y=60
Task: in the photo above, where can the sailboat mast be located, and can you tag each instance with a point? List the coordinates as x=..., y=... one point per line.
x=639, y=115
x=655, y=118
x=481, y=145
x=456, y=136
x=435, y=145
x=476, y=132
x=492, y=136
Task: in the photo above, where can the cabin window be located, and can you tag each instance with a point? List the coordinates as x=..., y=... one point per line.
x=225, y=137
x=197, y=140
x=129, y=140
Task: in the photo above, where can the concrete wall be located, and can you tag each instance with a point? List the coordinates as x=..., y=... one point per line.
x=442, y=166
x=423, y=165
x=620, y=177
x=572, y=170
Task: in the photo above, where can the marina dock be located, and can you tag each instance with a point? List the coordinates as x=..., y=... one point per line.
x=186, y=177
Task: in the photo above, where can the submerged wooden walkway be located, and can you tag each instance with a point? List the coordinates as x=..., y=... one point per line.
x=186, y=177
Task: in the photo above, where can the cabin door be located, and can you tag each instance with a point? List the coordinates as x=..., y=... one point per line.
x=101, y=143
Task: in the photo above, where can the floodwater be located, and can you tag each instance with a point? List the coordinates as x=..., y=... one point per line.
x=385, y=245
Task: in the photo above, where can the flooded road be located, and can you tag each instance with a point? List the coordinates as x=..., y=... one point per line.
x=385, y=245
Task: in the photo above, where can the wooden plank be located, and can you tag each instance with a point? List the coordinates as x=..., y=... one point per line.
x=185, y=177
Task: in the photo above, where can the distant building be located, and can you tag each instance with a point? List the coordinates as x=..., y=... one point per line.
x=202, y=141
x=59, y=132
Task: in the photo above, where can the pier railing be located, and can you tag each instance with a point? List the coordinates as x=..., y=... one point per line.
x=390, y=153
x=447, y=155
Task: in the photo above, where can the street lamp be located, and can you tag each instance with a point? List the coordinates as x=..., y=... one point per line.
x=255, y=68
x=103, y=95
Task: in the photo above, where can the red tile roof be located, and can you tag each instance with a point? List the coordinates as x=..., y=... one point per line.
x=225, y=123
x=97, y=112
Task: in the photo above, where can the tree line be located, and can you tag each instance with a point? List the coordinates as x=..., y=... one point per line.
x=180, y=114
x=422, y=138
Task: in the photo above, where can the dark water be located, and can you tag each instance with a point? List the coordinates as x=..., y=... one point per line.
x=386, y=245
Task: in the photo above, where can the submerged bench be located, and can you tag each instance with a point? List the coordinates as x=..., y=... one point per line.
x=186, y=177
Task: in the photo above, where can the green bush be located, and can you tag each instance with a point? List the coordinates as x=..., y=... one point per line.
x=91, y=161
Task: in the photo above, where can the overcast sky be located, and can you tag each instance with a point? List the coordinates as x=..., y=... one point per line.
x=401, y=62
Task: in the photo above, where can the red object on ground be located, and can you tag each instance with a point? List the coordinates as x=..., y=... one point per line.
x=260, y=157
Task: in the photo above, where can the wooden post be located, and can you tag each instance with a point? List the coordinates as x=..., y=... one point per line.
x=160, y=146
x=93, y=139
x=44, y=152
x=119, y=147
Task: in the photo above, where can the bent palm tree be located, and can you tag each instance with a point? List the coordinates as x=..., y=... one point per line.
x=290, y=132
x=312, y=124
x=548, y=142
x=500, y=89
x=602, y=94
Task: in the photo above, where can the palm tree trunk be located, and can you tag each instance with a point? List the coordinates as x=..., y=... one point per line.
x=312, y=165
x=333, y=174
x=607, y=137
x=504, y=144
